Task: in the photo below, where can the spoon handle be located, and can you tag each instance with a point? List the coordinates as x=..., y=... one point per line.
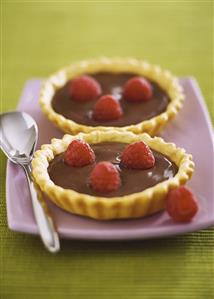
x=43, y=218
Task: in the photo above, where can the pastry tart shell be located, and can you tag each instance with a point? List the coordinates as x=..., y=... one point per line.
x=152, y=126
x=134, y=205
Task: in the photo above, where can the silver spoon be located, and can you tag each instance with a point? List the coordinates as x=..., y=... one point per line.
x=18, y=138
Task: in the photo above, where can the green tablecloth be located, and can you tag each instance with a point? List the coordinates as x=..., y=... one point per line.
x=38, y=37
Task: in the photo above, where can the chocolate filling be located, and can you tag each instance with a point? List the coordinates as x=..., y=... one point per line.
x=77, y=178
x=133, y=113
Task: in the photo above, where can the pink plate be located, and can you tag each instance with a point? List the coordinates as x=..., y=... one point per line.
x=191, y=130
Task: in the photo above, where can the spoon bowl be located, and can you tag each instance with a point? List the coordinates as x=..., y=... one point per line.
x=18, y=136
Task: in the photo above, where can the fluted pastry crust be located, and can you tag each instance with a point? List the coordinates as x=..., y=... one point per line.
x=135, y=205
x=152, y=126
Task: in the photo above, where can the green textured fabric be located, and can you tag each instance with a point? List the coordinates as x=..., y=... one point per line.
x=38, y=37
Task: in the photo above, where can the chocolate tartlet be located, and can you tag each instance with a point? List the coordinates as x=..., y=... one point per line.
x=141, y=193
x=149, y=116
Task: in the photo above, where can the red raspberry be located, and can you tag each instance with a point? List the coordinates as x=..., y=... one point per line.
x=107, y=108
x=84, y=88
x=105, y=177
x=79, y=153
x=138, y=156
x=137, y=89
x=181, y=204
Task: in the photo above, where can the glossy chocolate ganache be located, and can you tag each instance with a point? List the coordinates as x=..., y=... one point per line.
x=132, y=180
x=133, y=113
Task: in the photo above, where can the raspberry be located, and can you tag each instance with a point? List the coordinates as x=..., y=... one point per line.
x=79, y=153
x=107, y=108
x=137, y=89
x=181, y=204
x=84, y=88
x=138, y=156
x=105, y=177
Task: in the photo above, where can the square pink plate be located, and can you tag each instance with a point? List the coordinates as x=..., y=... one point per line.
x=191, y=130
